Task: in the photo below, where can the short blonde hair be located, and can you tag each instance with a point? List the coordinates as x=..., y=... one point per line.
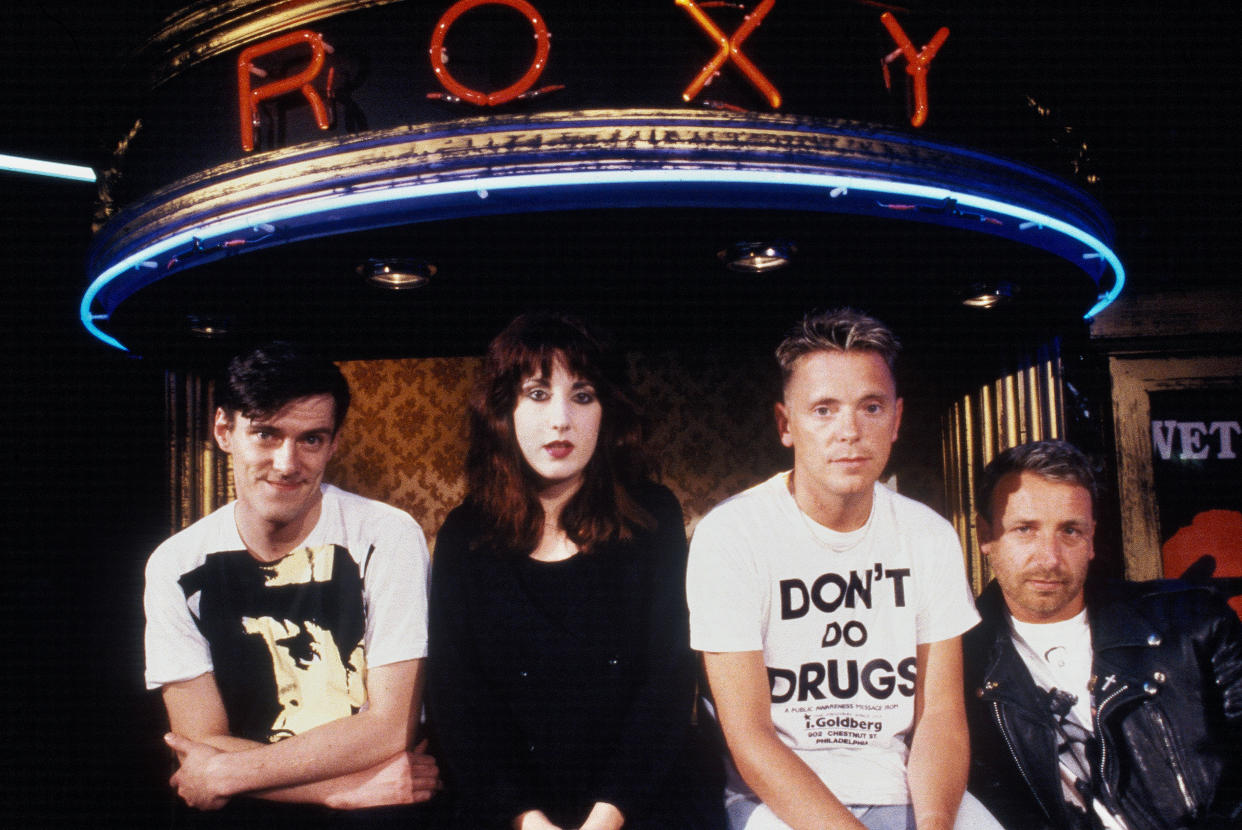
x=840, y=330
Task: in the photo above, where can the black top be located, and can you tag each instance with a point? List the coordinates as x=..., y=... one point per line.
x=554, y=685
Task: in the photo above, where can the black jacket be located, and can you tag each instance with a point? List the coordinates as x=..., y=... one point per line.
x=1167, y=702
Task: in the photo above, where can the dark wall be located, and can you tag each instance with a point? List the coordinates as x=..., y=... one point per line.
x=82, y=500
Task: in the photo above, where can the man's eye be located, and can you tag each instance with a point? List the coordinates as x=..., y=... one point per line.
x=314, y=440
x=874, y=409
x=821, y=411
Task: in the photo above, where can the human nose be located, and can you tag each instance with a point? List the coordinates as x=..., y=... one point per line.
x=559, y=414
x=284, y=457
x=1047, y=551
x=847, y=425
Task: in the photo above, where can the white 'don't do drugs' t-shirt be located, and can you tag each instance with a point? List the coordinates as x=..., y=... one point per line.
x=838, y=617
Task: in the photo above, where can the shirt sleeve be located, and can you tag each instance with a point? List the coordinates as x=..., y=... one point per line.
x=396, y=572
x=947, y=609
x=175, y=648
x=725, y=592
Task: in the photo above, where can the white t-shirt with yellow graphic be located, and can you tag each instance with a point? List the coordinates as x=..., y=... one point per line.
x=289, y=641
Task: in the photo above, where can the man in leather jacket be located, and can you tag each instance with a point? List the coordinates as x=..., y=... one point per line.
x=1116, y=706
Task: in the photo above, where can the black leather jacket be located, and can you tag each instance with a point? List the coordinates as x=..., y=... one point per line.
x=1167, y=698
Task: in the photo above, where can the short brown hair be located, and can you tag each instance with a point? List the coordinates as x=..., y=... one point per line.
x=1055, y=460
x=840, y=330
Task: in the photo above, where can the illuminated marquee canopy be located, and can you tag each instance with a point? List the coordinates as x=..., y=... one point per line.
x=336, y=132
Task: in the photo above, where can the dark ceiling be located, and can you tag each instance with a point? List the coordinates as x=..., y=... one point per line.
x=1149, y=92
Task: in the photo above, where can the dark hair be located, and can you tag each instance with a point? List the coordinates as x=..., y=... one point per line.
x=501, y=483
x=840, y=330
x=1055, y=460
x=258, y=383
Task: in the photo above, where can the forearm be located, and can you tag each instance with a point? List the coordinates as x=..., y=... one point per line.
x=788, y=787
x=334, y=749
x=939, y=763
x=937, y=769
x=327, y=792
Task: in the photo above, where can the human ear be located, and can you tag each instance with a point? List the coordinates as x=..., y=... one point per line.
x=983, y=532
x=222, y=430
x=782, y=423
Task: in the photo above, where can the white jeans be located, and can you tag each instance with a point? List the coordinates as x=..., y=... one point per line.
x=748, y=813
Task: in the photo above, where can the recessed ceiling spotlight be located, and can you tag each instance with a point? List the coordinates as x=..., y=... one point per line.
x=988, y=294
x=758, y=257
x=207, y=326
x=397, y=273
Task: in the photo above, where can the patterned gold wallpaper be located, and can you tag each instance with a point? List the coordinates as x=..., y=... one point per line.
x=405, y=439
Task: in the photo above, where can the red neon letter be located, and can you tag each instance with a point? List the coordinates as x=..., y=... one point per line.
x=508, y=93
x=917, y=63
x=249, y=98
x=731, y=48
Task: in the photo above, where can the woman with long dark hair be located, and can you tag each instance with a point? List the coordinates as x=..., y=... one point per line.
x=561, y=675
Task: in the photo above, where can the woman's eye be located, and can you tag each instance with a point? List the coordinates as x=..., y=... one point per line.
x=584, y=397
x=537, y=394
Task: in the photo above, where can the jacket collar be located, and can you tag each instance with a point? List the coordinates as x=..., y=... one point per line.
x=1110, y=612
x=1005, y=675
x=1114, y=621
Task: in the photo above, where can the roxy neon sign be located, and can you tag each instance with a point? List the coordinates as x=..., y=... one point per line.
x=918, y=62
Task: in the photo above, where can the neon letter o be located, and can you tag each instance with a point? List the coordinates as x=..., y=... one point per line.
x=524, y=83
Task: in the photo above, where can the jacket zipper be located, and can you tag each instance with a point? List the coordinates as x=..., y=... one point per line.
x=1173, y=764
x=1000, y=724
x=1099, y=731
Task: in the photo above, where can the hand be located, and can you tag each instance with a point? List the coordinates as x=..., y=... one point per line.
x=603, y=816
x=424, y=773
x=405, y=778
x=195, y=779
x=534, y=820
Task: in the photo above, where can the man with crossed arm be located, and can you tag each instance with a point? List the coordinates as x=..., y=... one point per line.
x=287, y=630
x=830, y=610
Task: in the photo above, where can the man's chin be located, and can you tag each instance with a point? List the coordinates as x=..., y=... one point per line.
x=285, y=511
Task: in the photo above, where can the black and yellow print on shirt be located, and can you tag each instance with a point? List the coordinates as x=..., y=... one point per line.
x=286, y=637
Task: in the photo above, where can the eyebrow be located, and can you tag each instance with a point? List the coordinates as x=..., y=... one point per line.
x=542, y=380
x=868, y=396
x=256, y=426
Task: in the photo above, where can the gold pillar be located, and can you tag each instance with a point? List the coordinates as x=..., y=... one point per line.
x=199, y=480
x=1024, y=404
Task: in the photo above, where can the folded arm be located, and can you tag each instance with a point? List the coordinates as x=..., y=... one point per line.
x=791, y=789
x=354, y=761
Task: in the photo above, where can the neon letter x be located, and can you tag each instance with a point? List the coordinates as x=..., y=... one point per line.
x=730, y=47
